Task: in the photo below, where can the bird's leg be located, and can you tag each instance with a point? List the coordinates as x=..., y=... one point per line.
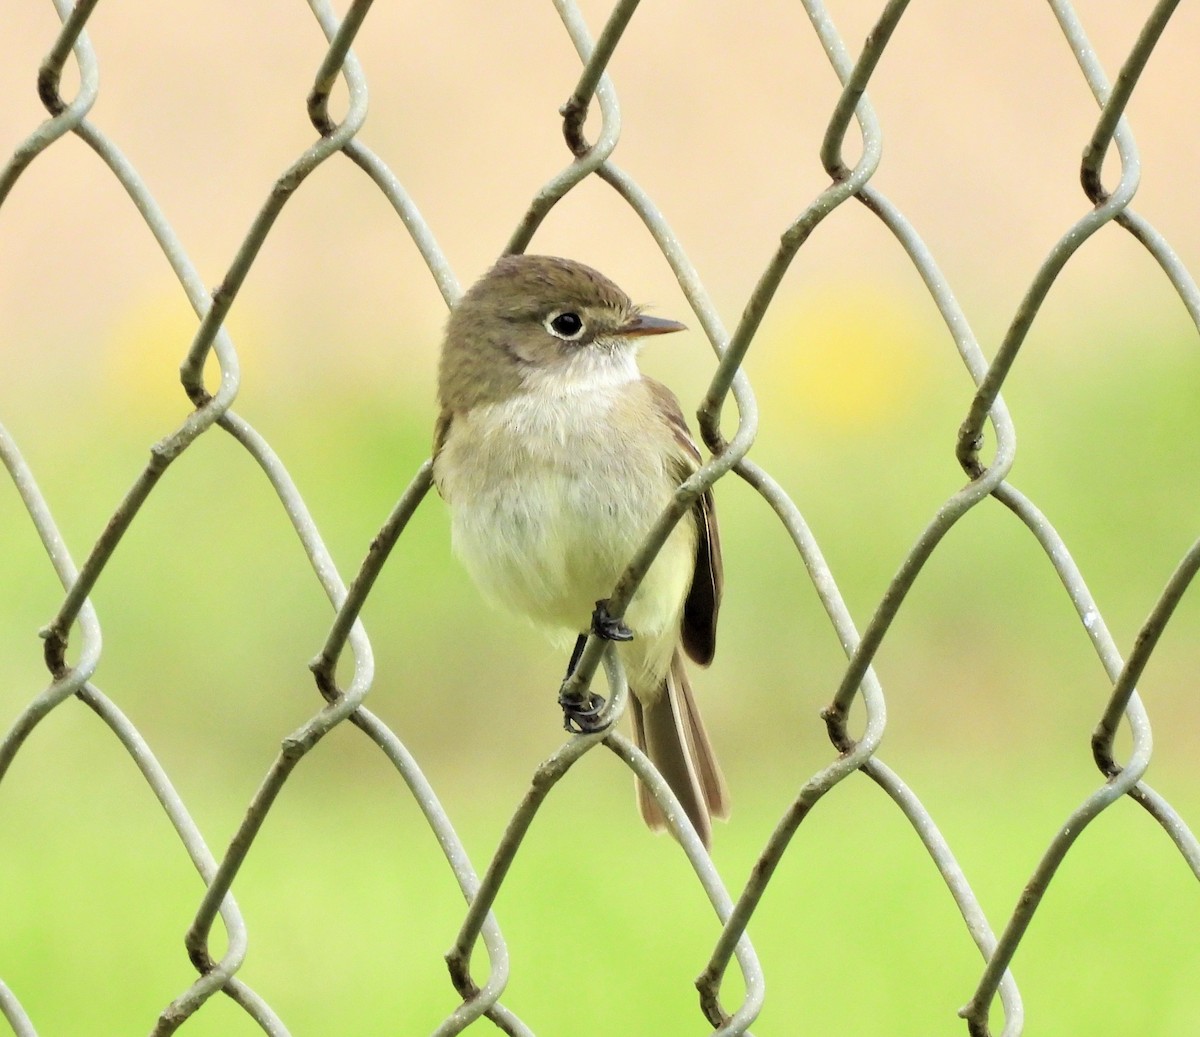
x=576, y=652
x=581, y=714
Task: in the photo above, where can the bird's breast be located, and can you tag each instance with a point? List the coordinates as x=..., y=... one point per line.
x=550, y=498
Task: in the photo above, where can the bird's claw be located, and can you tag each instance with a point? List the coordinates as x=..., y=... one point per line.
x=605, y=626
x=583, y=716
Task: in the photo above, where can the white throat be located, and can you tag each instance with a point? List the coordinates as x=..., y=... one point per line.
x=589, y=370
x=561, y=405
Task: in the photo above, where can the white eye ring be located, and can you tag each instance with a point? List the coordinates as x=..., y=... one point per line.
x=565, y=324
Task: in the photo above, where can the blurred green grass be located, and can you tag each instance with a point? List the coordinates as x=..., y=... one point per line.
x=350, y=907
x=210, y=614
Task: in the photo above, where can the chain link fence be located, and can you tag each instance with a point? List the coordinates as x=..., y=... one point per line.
x=985, y=450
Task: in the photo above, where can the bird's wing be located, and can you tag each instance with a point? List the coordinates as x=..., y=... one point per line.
x=441, y=430
x=703, y=602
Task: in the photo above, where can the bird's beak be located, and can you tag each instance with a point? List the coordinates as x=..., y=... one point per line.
x=644, y=325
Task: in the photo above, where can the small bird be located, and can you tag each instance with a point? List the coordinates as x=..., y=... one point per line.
x=555, y=456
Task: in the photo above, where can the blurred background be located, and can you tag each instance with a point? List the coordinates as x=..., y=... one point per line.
x=210, y=612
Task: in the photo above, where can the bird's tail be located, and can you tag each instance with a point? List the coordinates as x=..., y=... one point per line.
x=668, y=729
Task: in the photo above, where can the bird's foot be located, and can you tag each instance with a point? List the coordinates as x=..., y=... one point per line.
x=603, y=625
x=583, y=713
x=582, y=716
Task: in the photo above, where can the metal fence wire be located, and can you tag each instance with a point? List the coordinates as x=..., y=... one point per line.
x=986, y=448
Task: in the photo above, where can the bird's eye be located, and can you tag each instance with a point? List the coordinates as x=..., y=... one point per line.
x=566, y=325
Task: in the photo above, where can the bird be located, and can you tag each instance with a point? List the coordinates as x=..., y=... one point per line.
x=555, y=455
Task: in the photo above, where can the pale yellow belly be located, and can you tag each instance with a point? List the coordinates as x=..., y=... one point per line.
x=546, y=513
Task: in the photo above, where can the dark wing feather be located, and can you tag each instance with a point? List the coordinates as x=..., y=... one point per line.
x=441, y=430
x=703, y=602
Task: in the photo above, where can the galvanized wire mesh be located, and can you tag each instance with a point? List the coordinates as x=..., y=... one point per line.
x=987, y=425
